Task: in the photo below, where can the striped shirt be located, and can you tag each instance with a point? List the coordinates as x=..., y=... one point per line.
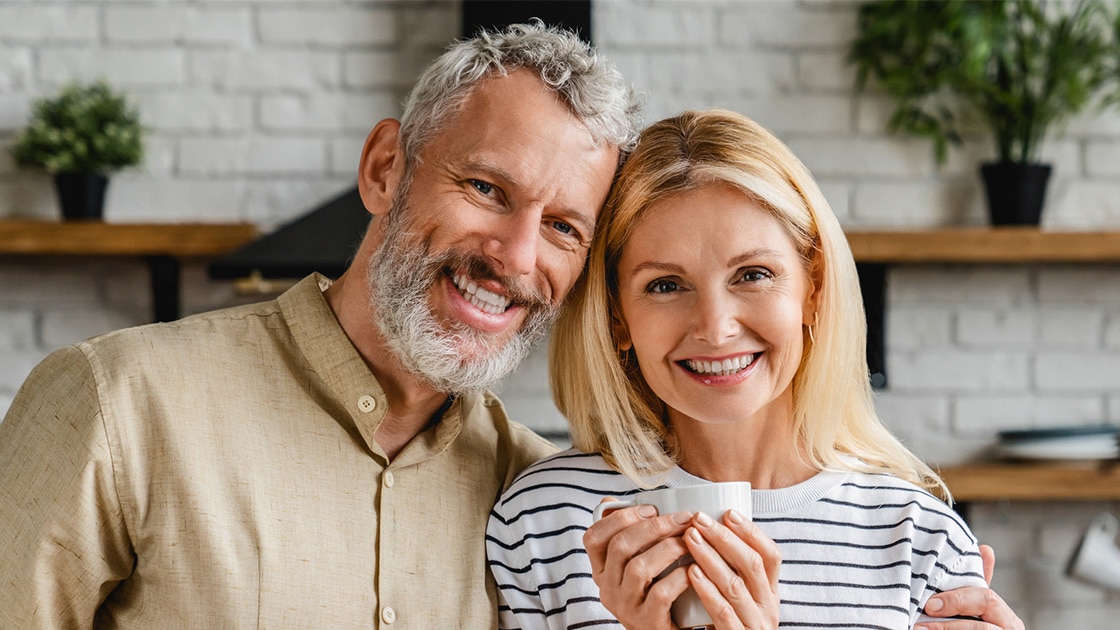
x=858, y=550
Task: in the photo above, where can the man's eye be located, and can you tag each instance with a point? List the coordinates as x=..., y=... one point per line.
x=482, y=186
x=662, y=286
x=563, y=228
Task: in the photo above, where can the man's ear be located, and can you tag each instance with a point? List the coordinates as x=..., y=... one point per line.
x=381, y=167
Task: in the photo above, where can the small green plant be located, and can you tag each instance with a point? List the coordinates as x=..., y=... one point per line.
x=85, y=129
x=1024, y=67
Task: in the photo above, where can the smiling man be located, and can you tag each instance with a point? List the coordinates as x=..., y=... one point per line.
x=329, y=459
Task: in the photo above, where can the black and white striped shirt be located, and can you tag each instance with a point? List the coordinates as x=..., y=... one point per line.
x=858, y=550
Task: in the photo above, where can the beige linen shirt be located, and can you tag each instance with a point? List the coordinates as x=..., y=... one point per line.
x=221, y=472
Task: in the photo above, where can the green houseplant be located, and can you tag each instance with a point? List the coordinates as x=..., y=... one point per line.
x=1021, y=68
x=80, y=137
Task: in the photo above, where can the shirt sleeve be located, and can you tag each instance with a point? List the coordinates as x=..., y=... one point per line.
x=953, y=570
x=519, y=602
x=64, y=544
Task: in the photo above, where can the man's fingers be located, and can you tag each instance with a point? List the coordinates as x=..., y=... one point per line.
x=988, y=557
x=971, y=602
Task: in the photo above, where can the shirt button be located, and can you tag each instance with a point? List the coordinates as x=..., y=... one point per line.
x=388, y=615
x=388, y=479
x=367, y=403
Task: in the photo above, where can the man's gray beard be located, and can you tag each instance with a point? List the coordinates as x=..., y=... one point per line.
x=401, y=276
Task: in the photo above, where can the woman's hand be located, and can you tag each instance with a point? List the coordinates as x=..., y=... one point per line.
x=629, y=548
x=736, y=572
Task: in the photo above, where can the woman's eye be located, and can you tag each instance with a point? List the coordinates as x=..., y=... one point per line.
x=481, y=186
x=754, y=275
x=662, y=286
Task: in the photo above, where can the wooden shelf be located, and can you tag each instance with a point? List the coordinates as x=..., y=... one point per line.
x=96, y=238
x=1001, y=245
x=161, y=245
x=1075, y=481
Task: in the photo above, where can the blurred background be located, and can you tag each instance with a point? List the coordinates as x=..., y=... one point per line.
x=256, y=111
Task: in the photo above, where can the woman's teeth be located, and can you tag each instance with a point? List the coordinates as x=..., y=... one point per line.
x=721, y=368
x=482, y=299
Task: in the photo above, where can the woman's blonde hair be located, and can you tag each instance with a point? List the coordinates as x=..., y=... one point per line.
x=599, y=387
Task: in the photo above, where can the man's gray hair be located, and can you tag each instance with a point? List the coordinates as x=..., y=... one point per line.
x=596, y=93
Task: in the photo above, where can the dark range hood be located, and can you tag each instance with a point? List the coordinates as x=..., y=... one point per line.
x=325, y=239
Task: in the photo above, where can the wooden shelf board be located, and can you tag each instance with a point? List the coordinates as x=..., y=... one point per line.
x=984, y=245
x=97, y=238
x=1059, y=481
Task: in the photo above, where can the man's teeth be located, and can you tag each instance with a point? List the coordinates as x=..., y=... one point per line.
x=482, y=299
x=721, y=368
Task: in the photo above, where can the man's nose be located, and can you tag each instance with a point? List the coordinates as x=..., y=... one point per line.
x=513, y=242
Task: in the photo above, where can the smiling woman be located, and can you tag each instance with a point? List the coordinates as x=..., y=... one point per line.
x=718, y=336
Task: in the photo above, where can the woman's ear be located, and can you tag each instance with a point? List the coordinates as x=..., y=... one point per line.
x=381, y=167
x=621, y=333
x=811, y=309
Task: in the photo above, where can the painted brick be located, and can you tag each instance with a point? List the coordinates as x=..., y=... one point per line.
x=950, y=370
x=721, y=73
x=661, y=23
x=1088, y=284
x=65, y=327
x=17, y=329
x=168, y=23
x=159, y=156
x=1088, y=204
x=15, y=69
x=15, y=111
x=52, y=282
x=942, y=285
x=774, y=23
x=824, y=71
x=265, y=70
x=137, y=198
x=996, y=328
x=793, y=116
x=172, y=111
x=1028, y=411
x=914, y=328
x=837, y=194
x=382, y=68
x=1070, y=327
x=917, y=204
x=47, y=24
x=279, y=200
x=327, y=112
x=1112, y=330
x=345, y=153
x=860, y=158
x=327, y=26
x=28, y=196
x=1077, y=371
x=14, y=369
x=124, y=68
x=223, y=156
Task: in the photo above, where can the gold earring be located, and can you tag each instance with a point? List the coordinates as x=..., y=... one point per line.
x=811, y=338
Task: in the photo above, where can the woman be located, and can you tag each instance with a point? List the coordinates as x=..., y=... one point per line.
x=722, y=300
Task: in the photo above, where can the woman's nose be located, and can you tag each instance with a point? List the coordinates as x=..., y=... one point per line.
x=716, y=319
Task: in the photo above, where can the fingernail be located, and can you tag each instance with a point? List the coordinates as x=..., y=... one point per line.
x=680, y=518
x=933, y=605
x=647, y=511
x=704, y=519
x=735, y=517
x=694, y=534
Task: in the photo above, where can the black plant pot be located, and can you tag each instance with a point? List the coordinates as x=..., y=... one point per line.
x=81, y=195
x=1016, y=192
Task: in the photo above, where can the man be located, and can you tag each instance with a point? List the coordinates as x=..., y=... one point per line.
x=328, y=459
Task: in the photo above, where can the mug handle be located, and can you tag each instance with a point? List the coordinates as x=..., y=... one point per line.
x=603, y=509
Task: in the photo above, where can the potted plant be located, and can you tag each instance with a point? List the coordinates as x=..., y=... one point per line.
x=1022, y=68
x=80, y=137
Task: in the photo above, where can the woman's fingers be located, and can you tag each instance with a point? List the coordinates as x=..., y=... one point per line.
x=736, y=572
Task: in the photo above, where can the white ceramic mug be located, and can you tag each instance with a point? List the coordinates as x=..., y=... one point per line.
x=714, y=499
x=1097, y=559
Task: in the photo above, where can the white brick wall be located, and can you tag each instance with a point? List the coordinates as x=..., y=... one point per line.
x=258, y=110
